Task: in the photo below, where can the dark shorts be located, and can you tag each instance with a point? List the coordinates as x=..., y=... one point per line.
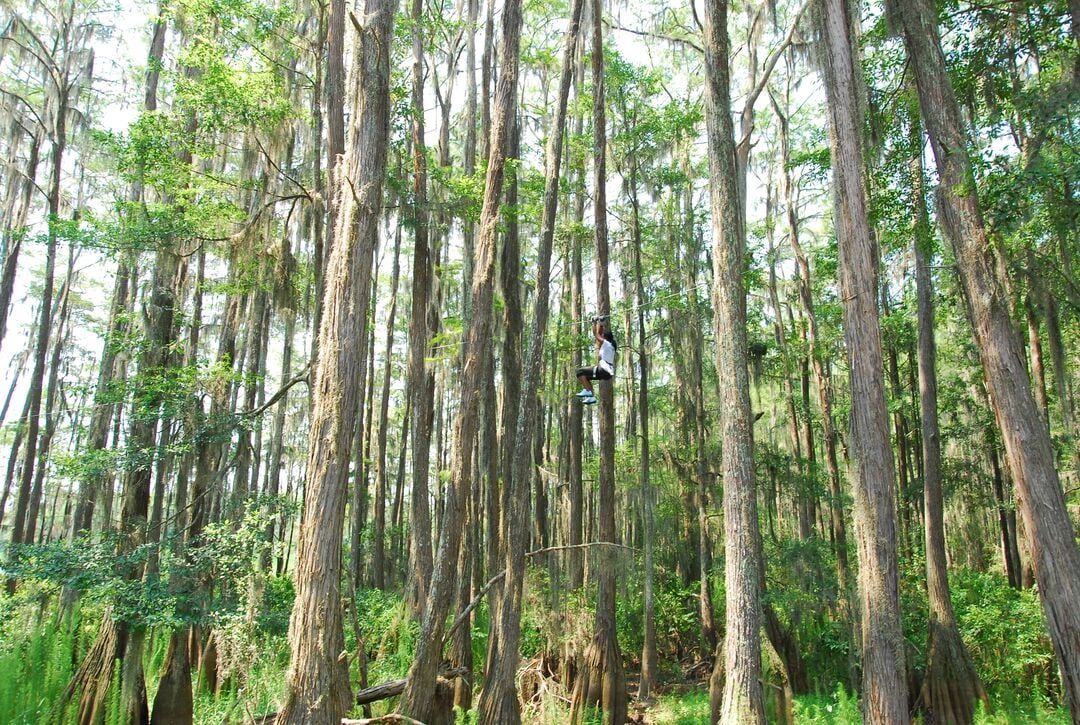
x=593, y=373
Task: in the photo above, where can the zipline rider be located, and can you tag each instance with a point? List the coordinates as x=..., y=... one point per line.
x=605, y=367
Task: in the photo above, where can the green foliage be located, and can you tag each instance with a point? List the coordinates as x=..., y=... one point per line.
x=689, y=708
x=1005, y=632
x=840, y=708
x=36, y=657
x=389, y=634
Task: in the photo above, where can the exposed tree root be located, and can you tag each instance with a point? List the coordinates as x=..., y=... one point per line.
x=601, y=683
x=92, y=680
x=173, y=702
x=951, y=686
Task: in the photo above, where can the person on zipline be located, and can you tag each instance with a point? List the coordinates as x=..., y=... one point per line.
x=605, y=367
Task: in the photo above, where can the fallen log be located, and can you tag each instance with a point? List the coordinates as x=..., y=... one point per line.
x=396, y=687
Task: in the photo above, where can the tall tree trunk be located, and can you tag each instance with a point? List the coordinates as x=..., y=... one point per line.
x=13, y=226
x=575, y=560
x=418, y=700
x=740, y=660
x=950, y=686
x=318, y=689
x=32, y=421
x=821, y=377
x=601, y=681
x=378, y=562
x=419, y=382
x=1028, y=449
x=884, y=688
x=103, y=410
x=499, y=701
x=33, y=535
x=649, y=657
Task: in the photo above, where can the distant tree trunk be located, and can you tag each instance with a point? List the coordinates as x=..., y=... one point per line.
x=601, y=681
x=575, y=560
x=418, y=700
x=1038, y=371
x=14, y=219
x=103, y=411
x=884, y=688
x=359, y=498
x=32, y=535
x=649, y=658
x=419, y=382
x=1028, y=449
x=950, y=686
x=740, y=660
x=703, y=475
x=378, y=562
x=821, y=376
x=1010, y=550
x=32, y=420
x=287, y=310
x=499, y=700
x=318, y=689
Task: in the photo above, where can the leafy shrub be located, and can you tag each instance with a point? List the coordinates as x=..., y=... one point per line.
x=840, y=707
x=1005, y=632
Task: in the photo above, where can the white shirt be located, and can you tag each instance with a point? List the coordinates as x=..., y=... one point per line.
x=607, y=357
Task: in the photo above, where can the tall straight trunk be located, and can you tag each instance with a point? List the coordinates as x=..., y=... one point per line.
x=499, y=701
x=1038, y=369
x=103, y=410
x=511, y=400
x=951, y=686
x=601, y=681
x=418, y=378
x=1028, y=449
x=649, y=658
x=332, y=20
x=822, y=378
x=740, y=660
x=51, y=393
x=418, y=700
x=16, y=443
x=318, y=222
x=378, y=561
x=884, y=688
x=703, y=475
x=142, y=437
x=1062, y=386
x=317, y=684
x=277, y=429
x=243, y=482
x=575, y=559
x=362, y=437
x=14, y=219
x=32, y=421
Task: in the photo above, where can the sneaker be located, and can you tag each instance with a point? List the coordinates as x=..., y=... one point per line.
x=591, y=400
x=583, y=393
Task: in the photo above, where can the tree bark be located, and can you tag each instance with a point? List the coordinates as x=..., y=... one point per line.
x=318, y=689
x=1028, y=449
x=418, y=699
x=950, y=686
x=884, y=690
x=741, y=654
x=498, y=700
x=419, y=381
x=601, y=681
